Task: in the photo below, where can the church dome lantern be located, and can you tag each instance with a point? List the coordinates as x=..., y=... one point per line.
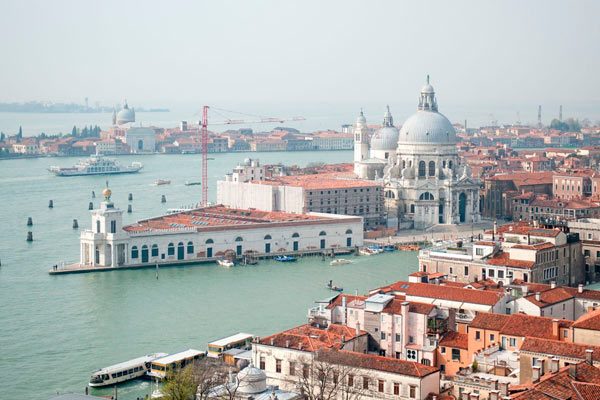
x=385, y=138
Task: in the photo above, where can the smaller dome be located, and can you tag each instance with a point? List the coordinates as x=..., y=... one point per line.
x=252, y=380
x=126, y=115
x=385, y=138
x=106, y=193
x=427, y=89
x=361, y=118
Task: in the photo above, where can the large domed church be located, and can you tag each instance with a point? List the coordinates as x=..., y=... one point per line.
x=424, y=184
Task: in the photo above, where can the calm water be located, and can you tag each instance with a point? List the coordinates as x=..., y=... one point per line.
x=56, y=329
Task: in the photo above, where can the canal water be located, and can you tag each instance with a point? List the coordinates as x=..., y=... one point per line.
x=54, y=330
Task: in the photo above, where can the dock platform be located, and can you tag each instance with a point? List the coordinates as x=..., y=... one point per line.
x=78, y=268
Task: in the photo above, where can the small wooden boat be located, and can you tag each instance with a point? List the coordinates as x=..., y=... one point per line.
x=409, y=247
x=333, y=287
x=225, y=263
x=340, y=261
x=159, y=182
x=389, y=248
x=192, y=183
x=285, y=259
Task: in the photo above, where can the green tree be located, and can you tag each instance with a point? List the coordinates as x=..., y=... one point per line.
x=180, y=385
x=20, y=134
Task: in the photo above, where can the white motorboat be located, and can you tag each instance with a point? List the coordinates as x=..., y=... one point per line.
x=124, y=371
x=225, y=263
x=96, y=165
x=340, y=261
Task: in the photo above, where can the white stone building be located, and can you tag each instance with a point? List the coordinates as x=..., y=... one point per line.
x=423, y=181
x=208, y=233
x=140, y=139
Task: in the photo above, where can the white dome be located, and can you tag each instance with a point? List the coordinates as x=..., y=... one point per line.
x=427, y=127
x=252, y=380
x=125, y=115
x=385, y=138
x=427, y=89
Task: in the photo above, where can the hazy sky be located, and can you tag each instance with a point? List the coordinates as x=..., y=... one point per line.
x=304, y=57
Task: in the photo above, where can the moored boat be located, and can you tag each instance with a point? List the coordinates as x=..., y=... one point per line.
x=96, y=165
x=340, y=261
x=192, y=183
x=124, y=371
x=159, y=182
x=225, y=263
x=389, y=248
x=333, y=287
x=286, y=259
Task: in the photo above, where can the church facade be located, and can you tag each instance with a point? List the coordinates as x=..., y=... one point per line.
x=424, y=184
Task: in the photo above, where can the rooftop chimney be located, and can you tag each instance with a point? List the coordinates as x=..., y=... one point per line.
x=300, y=346
x=528, y=238
x=494, y=394
x=536, y=373
x=555, y=329
x=357, y=328
x=272, y=341
x=343, y=338
x=589, y=355
x=495, y=228
x=287, y=343
x=504, y=388
x=538, y=296
x=573, y=371
x=553, y=285
x=580, y=288
x=554, y=365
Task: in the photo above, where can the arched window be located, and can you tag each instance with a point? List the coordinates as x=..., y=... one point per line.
x=154, y=250
x=134, y=252
x=422, y=168
x=412, y=208
x=403, y=164
x=431, y=168
x=444, y=164
x=426, y=196
x=209, y=241
x=348, y=231
x=171, y=249
x=267, y=237
x=295, y=235
x=450, y=164
x=190, y=248
x=322, y=233
x=239, y=239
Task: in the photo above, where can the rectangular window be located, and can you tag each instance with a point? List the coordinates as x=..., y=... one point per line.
x=382, y=335
x=455, y=354
x=491, y=273
x=365, y=382
x=380, y=386
x=413, y=392
x=113, y=227
x=292, y=368
x=351, y=380
x=398, y=338
x=443, y=350
x=262, y=363
x=479, y=251
x=396, y=388
x=466, y=270
x=305, y=371
x=513, y=342
x=492, y=337
x=500, y=274
x=278, y=366
x=477, y=335
x=566, y=333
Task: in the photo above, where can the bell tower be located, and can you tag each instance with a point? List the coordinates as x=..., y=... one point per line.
x=361, y=141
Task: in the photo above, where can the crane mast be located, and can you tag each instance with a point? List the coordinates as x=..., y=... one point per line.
x=205, y=156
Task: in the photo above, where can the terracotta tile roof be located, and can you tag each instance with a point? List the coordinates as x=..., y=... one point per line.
x=338, y=300
x=526, y=178
x=561, y=386
x=523, y=228
x=218, y=216
x=453, y=284
x=455, y=339
x=319, y=182
x=532, y=287
x=589, y=294
x=312, y=339
x=518, y=324
x=591, y=320
x=538, y=246
x=433, y=291
x=378, y=363
x=550, y=297
x=395, y=307
x=558, y=348
x=484, y=243
x=504, y=259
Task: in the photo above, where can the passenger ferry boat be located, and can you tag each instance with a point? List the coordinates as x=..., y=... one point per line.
x=174, y=362
x=97, y=165
x=241, y=341
x=124, y=371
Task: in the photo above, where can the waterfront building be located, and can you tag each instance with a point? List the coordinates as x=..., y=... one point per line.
x=140, y=139
x=419, y=168
x=211, y=232
x=588, y=230
x=326, y=192
x=513, y=251
x=295, y=355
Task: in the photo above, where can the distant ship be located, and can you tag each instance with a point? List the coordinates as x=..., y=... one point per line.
x=96, y=165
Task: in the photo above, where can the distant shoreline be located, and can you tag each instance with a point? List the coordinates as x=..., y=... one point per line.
x=77, y=112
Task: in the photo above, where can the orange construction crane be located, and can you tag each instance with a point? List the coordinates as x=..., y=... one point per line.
x=204, y=125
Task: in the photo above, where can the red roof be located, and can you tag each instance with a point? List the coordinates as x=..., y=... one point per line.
x=558, y=348
x=443, y=292
x=505, y=260
x=552, y=296
x=518, y=324
x=591, y=320
x=308, y=338
x=378, y=363
x=455, y=339
x=319, y=182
